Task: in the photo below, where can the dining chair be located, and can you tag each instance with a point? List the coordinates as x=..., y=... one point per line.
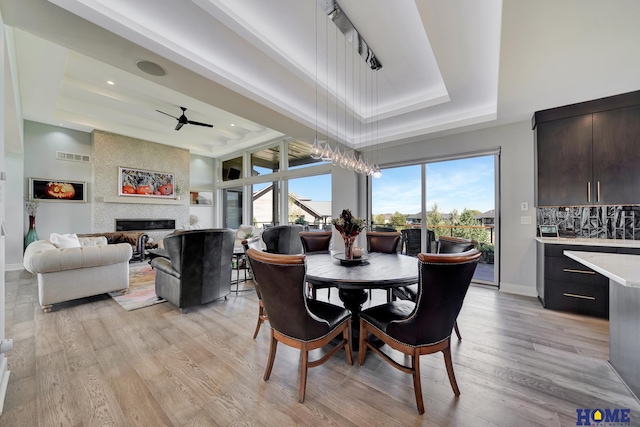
x=449, y=245
x=283, y=239
x=384, y=229
x=424, y=326
x=296, y=321
x=254, y=243
x=445, y=244
x=316, y=242
x=384, y=242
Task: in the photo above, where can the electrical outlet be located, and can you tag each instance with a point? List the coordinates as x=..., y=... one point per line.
x=525, y=220
x=524, y=206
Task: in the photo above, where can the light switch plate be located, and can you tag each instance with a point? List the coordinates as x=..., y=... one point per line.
x=525, y=220
x=524, y=206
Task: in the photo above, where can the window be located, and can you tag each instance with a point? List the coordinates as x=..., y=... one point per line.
x=310, y=201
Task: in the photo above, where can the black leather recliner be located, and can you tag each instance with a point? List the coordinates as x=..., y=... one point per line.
x=198, y=270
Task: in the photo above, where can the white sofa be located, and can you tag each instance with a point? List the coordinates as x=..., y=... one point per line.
x=72, y=273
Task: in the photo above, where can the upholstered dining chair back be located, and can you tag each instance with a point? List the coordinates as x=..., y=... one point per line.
x=281, y=279
x=283, y=239
x=296, y=321
x=443, y=282
x=315, y=241
x=384, y=229
x=198, y=269
x=450, y=245
x=385, y=242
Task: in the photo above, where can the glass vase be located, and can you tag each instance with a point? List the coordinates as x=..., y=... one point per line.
x=348, y=246
x=32, y=234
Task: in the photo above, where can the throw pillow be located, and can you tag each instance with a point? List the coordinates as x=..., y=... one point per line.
x=62, y=241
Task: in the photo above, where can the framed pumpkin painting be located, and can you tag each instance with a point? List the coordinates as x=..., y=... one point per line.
x=57, y=190
x=144, y=183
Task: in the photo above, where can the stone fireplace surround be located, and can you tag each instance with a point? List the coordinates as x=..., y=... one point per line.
x=111, y=151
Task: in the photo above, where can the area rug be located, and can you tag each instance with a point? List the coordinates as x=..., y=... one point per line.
x=142, y=288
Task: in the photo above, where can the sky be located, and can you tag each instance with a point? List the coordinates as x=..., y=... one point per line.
x=455, y=184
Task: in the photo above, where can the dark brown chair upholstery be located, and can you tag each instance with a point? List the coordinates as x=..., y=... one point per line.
x=296, y=321
x=283, y=239
x=446, y=245
x=384, y=229
x=422, y=327
x=316, y=242
x=385, y=242
x=198, y=269
x=254, y=243
x=452, y=245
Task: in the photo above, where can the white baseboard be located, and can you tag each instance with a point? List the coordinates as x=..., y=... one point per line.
x=529, y=291
x=13, y=267
x=4, y=381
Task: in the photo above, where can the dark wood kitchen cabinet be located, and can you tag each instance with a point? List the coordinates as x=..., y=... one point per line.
x=587, y=153
x=566, y=285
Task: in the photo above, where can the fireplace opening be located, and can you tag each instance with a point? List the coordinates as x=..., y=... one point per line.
x=145, y=224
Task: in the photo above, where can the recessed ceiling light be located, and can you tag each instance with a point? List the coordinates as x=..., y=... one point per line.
x=109, y=82
x=232, y=124
x=151, y=68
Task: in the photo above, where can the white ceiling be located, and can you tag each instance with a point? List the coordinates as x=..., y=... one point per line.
x=257, y=70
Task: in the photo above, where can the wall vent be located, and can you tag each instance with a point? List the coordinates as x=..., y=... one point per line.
x=73, y=157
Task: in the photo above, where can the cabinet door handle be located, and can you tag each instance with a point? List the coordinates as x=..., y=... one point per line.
x=589, y=191
x=598, y=189
x=579, y=296
x=571, y=270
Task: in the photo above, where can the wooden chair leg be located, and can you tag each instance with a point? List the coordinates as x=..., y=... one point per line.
x=449, y=364
x=455, y=328
x=346, y=334
x=303, y=372
x=261, y=317
x=272, y=356
x=362, y=347
x=417, y=386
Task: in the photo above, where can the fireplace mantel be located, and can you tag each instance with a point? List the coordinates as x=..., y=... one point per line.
x=142, y=200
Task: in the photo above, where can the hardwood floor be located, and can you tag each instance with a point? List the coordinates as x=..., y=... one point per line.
x=90, y=362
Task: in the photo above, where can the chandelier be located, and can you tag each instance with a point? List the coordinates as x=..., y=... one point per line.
x=321, y=150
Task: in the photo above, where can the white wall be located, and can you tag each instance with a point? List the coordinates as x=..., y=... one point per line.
x=517, y=244
x=14, y=212
x=201, y=177
x=41, y=142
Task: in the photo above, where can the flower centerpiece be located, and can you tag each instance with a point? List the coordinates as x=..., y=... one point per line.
x=349, y=228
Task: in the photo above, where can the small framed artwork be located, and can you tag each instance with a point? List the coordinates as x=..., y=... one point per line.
x=57, y=190
x=201, y=198
x=144, y=183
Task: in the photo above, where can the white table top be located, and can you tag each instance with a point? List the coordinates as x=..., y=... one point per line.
x=581, y=241
x=622, y=268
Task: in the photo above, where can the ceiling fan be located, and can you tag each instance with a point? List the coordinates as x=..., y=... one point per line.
x=182, y=120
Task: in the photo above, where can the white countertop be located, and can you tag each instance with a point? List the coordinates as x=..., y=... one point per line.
x=622, y=268
x=618, y=243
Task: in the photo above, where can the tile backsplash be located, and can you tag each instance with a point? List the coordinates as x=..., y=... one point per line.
x=596, y=222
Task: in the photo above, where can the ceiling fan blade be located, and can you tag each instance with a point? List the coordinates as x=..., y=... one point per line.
x=191, y=122
x=179, y=125
x=166, y=114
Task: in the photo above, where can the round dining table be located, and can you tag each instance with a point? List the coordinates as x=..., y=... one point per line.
x=378, y=271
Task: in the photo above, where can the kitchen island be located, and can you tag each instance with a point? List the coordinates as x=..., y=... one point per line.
x=623, y=272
